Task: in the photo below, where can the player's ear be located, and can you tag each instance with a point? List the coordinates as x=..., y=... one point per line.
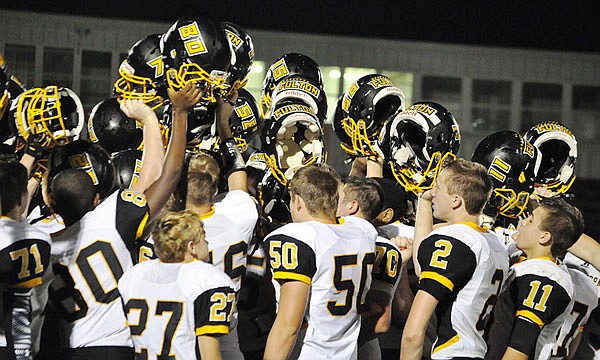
x=457, y=201
x=545, y=239
x=96, y=200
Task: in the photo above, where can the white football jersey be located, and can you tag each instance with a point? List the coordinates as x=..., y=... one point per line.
x=531, y=309
x=228, y=228
x=585, y=300
x=89, y=259
x=169, y=304
x=386, y=271
x=25, y=257
x=336, y=261
x=463, y=266
x=396, y=229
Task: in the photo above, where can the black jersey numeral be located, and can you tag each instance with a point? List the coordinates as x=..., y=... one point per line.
x=347, y=285
x=483, y=323
x=561, y=350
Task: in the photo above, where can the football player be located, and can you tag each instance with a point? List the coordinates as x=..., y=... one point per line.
x=92, y=252
x=175, y=301
x=363, y=197
x=25, y=255
x=539, y=290
x=461, y=265
x=305, y=257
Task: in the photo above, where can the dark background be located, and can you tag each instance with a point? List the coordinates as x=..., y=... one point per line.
x=557, y=25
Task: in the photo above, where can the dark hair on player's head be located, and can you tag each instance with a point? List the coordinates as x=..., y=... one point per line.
x=72, y=194
x=13, y=184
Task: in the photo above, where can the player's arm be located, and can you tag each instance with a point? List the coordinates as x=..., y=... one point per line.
x=294, y=264
x=234, y=164
x=538, y=301
x=209, y=347
x=588, y=249
x=423, y=225
x=293, y=299
x=153, y=152
x=413, y=334
x=512, y=354
x=158, y=193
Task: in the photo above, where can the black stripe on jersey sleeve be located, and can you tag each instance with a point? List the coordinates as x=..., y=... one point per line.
x=291, y=259
x=213, y=311
x=523, y=336
x=387, y=263
x=131, y=215
x=539, y=299
x=447, y=264
x=23, y=263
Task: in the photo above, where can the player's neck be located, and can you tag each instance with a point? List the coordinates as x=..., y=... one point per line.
x=462, y=216
x=539, y=253
x=200, y=209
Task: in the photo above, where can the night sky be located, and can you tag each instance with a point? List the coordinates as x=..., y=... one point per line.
x=557, y=25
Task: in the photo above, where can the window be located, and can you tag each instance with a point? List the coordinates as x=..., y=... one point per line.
x=96, y=82
x=404, y=81
x=331, y=84
x=491, y=105
x=255, y=78
x=541, y=102
x=586, y=112
x=58, y=67
x=352, y=74
x=445, y=91
x=20, y=62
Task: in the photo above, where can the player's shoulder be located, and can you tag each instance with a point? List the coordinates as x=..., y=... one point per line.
x=198, y=276
x=545, y=270
x=12, y=231
x=397, y=229
x=304, y=231
x=387, y=243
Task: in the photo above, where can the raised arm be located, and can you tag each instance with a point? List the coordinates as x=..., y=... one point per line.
x=153, y=152
x=234, y=164
x=158, y=193
x=423, y=225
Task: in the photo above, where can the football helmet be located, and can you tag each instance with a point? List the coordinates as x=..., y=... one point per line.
x=111, y=128
x=13, y=88
x=558, y=152
x=242, y=55
x=200, y=122
x=142, y=73
x=292, y=138
x=420, y=139
x=511, y=162
x=197, y=50
x=274, y=198
x=4, y=105
x=89, y=157
x=127, y=164
x=290, y=64
x=54, y=113
x=245, y=120
x=362, y=111
x=301, y=90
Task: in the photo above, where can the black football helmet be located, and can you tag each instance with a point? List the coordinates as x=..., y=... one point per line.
x=362, y=111
x=274, y=198
x=13, y=88
x=292, y=138
x=290, y=64
x=142, y=73
x=89, y=157
x=4, y=105
x=197, y=50
x=301, y=91
x=111, y=128
x=511, y=162
x=420, y=139
x=558, y=152
x=54, y=113
x=242, y=55
x=200, y=122
x=127, y=164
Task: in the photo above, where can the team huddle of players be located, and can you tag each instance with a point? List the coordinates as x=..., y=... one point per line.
x=185, y=219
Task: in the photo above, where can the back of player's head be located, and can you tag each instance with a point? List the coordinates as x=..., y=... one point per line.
x=72, y=194
x=318, y=186
x=203, y=178
x=173, y=232
x=13, y=184
x=367, y=193
x=470, y=181
x=393, y=198
x=563, y=221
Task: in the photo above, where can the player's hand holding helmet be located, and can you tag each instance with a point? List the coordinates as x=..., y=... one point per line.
x=362, y=111
x=196, y=50
x=109, y=126
x=417, y=141
x=511, y=163
x=558, y=152
x=53, y=114
x=142, y=73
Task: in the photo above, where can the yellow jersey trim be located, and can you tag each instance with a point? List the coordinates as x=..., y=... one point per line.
x=437, y=277
x=286, y=275
x=140, y=229
x=208, y=214
x=29, y=283
x=451, y=341
x=473, y=226
x=531, y=317
x=212, y=329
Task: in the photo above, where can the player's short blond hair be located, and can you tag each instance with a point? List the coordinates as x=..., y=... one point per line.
x=203, y=179
x=318, y=186
x=173, y=232
x=470, y=181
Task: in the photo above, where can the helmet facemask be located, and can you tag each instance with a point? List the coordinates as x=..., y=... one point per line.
x=212, y=85
x=134, y=87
